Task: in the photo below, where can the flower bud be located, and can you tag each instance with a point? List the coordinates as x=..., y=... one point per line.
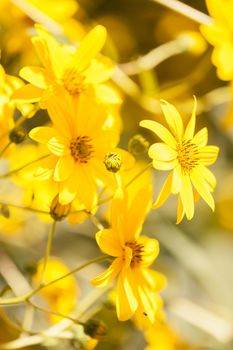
x=17, y=135
x=59, y=211
x=138, y=145
x=113, y=162
x=96, y=329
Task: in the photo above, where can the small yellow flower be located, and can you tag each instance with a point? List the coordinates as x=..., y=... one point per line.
x=68, y=71
x=77, y=143
x=220, y=34
x=133, y=254
x=62, y=295
x=186, y=155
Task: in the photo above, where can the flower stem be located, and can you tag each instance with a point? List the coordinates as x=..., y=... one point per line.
x=186, y=10
x=48, y=251
x=14, y=171
x=26, y=297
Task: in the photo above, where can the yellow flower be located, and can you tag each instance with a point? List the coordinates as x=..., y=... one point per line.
x=132, y=253
x=186, y=155
x=77, y=144
x=62, y=295
x=68, y=71
x=220, y=34
x=161, y=337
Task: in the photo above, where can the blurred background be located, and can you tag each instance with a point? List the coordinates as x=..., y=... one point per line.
x=197, y=256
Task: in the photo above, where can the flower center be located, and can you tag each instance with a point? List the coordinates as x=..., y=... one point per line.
x=187, y=155
x=81, y=149
x=137, y=250
x=73, y=82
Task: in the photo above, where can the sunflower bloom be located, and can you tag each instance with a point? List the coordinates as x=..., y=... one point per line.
x=68, y=71
x=219, y=34
x=133, y=254
x=186, y=155
x=77, y=143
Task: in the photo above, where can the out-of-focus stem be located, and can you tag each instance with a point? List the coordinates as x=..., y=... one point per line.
x=186, y=11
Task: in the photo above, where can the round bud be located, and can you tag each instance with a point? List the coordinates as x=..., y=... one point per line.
x=113, y=162
x=138, y=145
x=96, y=329
x=17, y=135
x=59, y=211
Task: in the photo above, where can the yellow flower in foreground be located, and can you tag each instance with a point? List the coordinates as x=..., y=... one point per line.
x=186, y=155
x=133, y=254
x=62, y=295
x=68, y=70
x=78, y=143
x=220, y=34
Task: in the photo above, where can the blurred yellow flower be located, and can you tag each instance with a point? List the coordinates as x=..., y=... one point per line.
x=186, y=155
x=77, y=143
x=132, y=253
x=62, y=295
x=161, y=337
x=220, y=34
x=75, y=72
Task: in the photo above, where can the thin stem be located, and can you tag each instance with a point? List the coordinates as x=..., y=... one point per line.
x=48, y=311
x=185, y=10
x=48, y=251
x=24, y=208
x=26, y=297
x=5, y=148
x=14, y=171
x=154, y=57
x=128, y=184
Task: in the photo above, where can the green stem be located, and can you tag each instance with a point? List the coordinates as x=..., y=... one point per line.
x=48, y=311
x=48, y=251
x=14, y=171
x=5, y=148
x=24, y=208
x=26, y=297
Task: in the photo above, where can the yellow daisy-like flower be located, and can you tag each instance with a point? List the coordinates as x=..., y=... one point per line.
x=187, y=155
x=67, y=70
x=77, y=143
x=62, y=295
x=133, y=254
x=220, y=34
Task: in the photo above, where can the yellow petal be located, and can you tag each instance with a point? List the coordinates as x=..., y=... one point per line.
x=208, y=155
x=163, y=165
x=105, y=94
x=58, y=145
x=135, y=216
x=107, y=276
x=64, y=168
x=201, y=137
x=108, y=242
x=176, y=180
x=45, y=168
x=208, y=176
x=190, y=128
x=89, y=47
x=160, y=131
x=42, y=134
x=162, y=152
x=126, y=302
x=67, y=190
x=200, y=185
x=164, y=192
x=180, y=211
x=35, y=75
x=186, y=195
x=173, y=119
x=99, y=71
x=86, y=189
x=27, y=93
x=150, y=250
